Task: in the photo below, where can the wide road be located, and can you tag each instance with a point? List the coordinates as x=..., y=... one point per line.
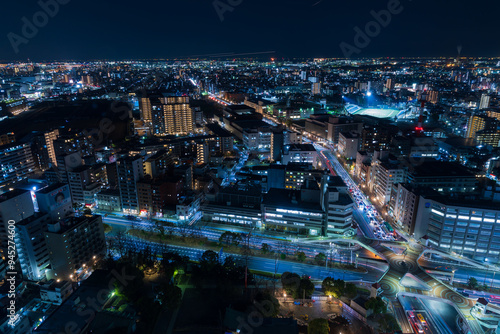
x=372, y=274
x=336, y=254
x=362, y=204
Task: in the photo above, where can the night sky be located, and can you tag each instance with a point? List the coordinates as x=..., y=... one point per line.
x=147, y=29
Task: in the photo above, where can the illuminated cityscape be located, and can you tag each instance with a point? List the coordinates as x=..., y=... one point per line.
x=195, y=190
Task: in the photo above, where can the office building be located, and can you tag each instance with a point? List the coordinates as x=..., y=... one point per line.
x=329, y=127
x=238, y=204
x=305, y=153
x=462, y=225
x=442, y=176
x=349, y=144
x=337, y=205
x=297, y=212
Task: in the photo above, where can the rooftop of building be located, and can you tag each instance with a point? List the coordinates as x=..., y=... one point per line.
x=109, y=192
x=460, y=142
x=243, y=188
x=434, y=168
x=350, y=135
x=12, y=146
x=472, y=202
x=250, y=124
x=260, y=101
x=289, y=199
x=32, y=218
x=51, y=188
x=218, y=130
x=74, y=310
x=54, y=284
x=336, y=181
x=158, y=155
x=301, y=147
x=298, y=166
x=71, y=222
x=12, y=194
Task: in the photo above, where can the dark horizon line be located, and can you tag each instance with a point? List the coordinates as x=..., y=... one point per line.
x=230, y=57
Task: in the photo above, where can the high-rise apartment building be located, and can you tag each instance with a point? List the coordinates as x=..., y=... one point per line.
x=43, y=149
x=15, y=206
x=130, y=170
x=485, y=101
x=202, y=153
x=16, y=163
x=31, y=245
x=479, y=122
x=73, y=243
x=277, y=143
x=178, y=115
x=145, y=108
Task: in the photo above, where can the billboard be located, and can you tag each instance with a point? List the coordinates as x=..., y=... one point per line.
x=52, y=200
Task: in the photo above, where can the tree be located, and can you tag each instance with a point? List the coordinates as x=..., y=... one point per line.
x=472, y=283
x=333, y=287
x=306, y=288
x=320, y=258
x=290, y=282
x=120, y=243
x=301, y=256
x=350, y=290
x=209, y=260
x=266, y=297
x=171, y=296
x=376, y=304
x=318, y=326
x=265, y=248
x=388, y=323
